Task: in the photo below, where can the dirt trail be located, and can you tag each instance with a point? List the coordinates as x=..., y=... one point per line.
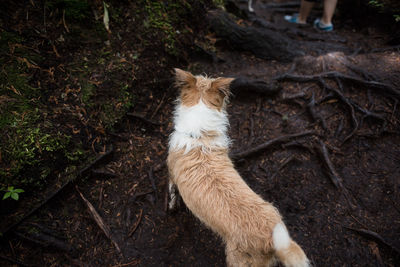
x=292, y=175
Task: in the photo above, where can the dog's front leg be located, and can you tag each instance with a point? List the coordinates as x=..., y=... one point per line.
x=250, y=3
x=172, y=196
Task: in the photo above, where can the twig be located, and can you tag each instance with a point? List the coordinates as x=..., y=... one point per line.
x=153, y=184
x=142, y=194
x=261, y=147
x=159, y=105
x=316, y=117
x=143, y=118
x=339, y=128
x=100, y=222
x=101, y=195
x=333, y=175
x=374, y=236
x=251, y=137
x=282, y=165
x=135, y=226
x=64, y=23
x=19, y=263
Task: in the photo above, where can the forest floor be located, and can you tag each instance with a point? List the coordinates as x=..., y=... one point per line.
x=337, y=187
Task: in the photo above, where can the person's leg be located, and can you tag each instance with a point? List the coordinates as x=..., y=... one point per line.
x=305, y=9
x=329, y=9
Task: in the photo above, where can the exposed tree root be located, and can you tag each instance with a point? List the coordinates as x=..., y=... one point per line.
x=374, y=236
x=135, y=226
x=143, y=118
x=333, y=175
x=347, y=102
x=281, y=139
x=244, y=85
x=379, y=86
x=315, y=116
x=282, y=165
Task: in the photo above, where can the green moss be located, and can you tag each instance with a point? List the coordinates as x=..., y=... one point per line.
x=163, y=18
x=27, y=146
x=113, y=111
x=88, y=91
x=219, y=3
x=30, y=149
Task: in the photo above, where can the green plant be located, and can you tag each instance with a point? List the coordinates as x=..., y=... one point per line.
x=376, y=3
x=13, y=193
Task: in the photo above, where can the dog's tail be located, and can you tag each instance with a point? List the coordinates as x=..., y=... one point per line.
x=287, y=251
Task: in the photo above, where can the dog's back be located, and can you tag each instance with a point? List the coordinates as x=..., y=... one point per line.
x=213, y=190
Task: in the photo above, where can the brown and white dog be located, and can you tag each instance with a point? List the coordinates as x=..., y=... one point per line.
x=212, y=189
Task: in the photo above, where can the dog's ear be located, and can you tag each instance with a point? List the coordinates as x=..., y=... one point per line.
x=184, y=79
x=222, y=85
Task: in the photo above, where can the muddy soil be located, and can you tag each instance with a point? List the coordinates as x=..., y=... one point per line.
x=292, y=175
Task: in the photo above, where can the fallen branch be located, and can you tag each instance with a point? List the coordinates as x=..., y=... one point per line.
x=46, y=240
x=100, y=159
x=158, y=106
x=100, y=222
x=374, y=236
x=19, y=263
x=261, y=147
x=135, y=226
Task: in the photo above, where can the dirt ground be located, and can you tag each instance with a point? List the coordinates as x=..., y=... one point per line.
x=335, y=228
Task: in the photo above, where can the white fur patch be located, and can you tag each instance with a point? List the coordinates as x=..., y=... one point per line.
x=192, y=122
x=280, y=237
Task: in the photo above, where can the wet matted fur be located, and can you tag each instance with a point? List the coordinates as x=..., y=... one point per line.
x=212, y=189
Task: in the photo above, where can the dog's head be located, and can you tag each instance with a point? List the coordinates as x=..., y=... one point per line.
x=212, y=92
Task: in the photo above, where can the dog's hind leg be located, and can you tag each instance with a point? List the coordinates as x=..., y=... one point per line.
x=263, y=260
x=236, y=258
x=250, y=3
x=172, y=196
